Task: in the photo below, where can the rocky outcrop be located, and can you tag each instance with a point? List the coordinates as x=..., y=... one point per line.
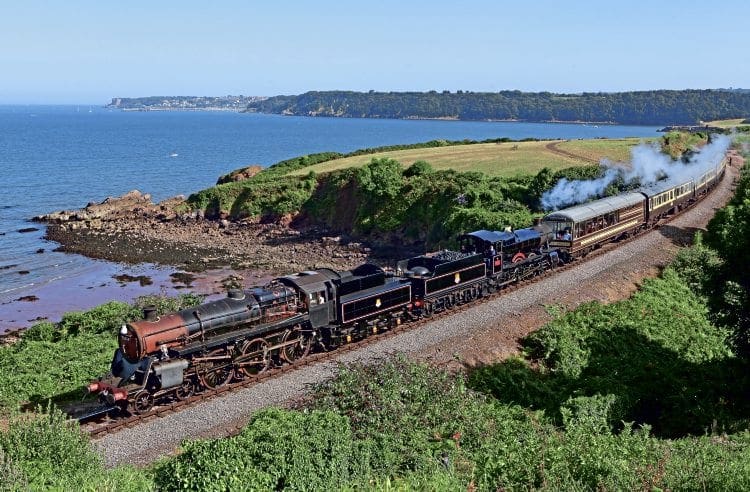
x=132, y=229
x=109, y=213
x=240, y=174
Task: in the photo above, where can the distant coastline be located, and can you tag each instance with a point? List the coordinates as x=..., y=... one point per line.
x=184, y=103
x=686, y=107
x=209, y=108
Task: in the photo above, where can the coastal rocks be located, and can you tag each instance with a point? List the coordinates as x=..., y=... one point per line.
x=110, y=214
x=131, y=229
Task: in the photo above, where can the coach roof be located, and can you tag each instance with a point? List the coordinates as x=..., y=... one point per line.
x=589, y=210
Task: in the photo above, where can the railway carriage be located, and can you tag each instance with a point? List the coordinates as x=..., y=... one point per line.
x=580, y=229
x=667, y=198
x=704, y=182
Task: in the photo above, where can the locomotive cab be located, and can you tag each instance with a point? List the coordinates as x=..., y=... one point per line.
x=503, y=247
x=316, y=294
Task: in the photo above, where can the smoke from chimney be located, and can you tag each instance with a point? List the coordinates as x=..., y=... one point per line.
x=647, y=166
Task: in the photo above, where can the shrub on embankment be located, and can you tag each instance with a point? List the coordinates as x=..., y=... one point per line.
x=400, y=425
x=46, y=452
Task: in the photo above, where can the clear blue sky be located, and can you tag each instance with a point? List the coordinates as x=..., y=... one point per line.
x=90, y=51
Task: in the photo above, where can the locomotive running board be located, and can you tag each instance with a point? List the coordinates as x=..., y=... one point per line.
x=90, y=410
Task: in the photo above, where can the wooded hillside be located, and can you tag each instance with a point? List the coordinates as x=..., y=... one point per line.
x=659, y=107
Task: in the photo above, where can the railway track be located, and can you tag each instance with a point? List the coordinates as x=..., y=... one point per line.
x=111, y=425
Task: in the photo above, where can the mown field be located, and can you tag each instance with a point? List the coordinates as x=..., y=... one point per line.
x=504, y=159
x=726, y=123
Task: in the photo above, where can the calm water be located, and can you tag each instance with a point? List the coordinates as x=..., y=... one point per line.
x=62, y=157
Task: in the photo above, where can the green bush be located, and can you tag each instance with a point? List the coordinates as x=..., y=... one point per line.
x=278, y=450
x=44, y=331
x=418, y=168
x=657, y=354
x=167, y=304
x=105, y=318
x=46, y=452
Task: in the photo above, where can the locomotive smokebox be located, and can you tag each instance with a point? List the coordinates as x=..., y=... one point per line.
x=149, y=313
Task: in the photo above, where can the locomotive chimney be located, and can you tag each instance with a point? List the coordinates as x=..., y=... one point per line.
x=149, y=313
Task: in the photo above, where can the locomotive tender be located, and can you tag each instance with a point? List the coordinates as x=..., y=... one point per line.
x=175, y=355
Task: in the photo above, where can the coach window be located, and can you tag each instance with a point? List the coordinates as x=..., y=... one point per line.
x=560, y=228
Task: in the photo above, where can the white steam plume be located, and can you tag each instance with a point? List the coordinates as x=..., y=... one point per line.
x=648, y=165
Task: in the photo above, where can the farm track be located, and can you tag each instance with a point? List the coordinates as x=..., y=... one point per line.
x=553, y=147
x=171, y=423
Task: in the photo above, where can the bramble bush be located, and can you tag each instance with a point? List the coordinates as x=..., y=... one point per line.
x=401, y=425
x=657, y=354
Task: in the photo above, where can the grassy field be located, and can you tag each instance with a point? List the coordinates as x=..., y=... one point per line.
x=725, y=123
x=499, y=159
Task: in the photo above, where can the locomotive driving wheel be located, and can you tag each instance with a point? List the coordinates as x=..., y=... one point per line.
x=254, y=358
x=142, y=402
x=298, y=350
x=220, y=372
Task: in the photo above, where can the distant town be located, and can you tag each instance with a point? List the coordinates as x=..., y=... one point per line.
x=184, y=103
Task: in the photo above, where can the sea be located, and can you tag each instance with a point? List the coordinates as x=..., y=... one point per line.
x=63, y=157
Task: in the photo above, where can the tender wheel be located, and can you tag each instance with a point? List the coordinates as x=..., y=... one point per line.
x=220, y=373
x=143, y=402
x=254, y=358
x=296, y=351
x=186, y=390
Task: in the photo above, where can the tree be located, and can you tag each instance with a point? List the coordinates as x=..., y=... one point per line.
x=381, y=177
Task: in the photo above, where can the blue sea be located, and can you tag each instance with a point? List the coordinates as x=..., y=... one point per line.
x=62, y=157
